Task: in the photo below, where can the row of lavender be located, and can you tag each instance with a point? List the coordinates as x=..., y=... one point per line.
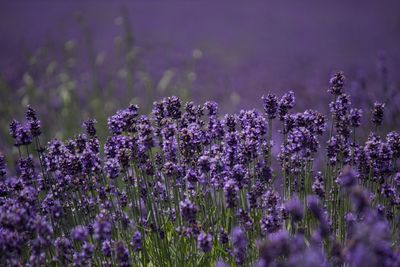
x=188, y=187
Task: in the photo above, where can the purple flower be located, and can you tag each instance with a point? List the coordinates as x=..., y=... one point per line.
x=347, y=178
x=277, y=245
x=295, y=209
x=220, y=263
x=188, y=211
x=397, y=179
x=350, y=220
x=172, y=107
x=230, y=122
x=106, y=248
x=91, y=162
x=3, y=171
x=63, y=250
x=336, y=144
x=245, y=219
x=370, y=243
x=169, y=142
x=33, y=122
x=314, y=206
x=377, y=113
x=239, y=242
x=178, y=163
x=89, y=127
x=84, y=257
x=51, y=205
x=21, y=133
x=360, y=199
x=29, y=195
x=340, y=110
x=223, y=237
x=123, y=120
x=80, y=142
x=145, y=133
x=355, y=117
x=55, y=153
x=112, y=168
x=318, y=186
x=102, y=228
x=30, y=114
x=122, y=255
x=26, y=169
x=270, y=104
x=238, y=174
x=193, y=113
x=204, y=163
x=80, y=233
x=192, y=137
x=231, y=189
x=272, y=220
x=336, y=83
x=212, y=108
x=204, y=242
x=13, y=127
x=393, y=140
x=285, y=104
x=43, y=229
x=136, y=241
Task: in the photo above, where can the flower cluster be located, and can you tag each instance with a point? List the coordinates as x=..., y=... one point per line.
x=186, y=186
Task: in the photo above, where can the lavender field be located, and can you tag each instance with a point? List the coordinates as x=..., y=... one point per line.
x=200, y=134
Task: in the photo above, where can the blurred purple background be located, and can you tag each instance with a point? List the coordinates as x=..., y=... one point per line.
x=247, y=49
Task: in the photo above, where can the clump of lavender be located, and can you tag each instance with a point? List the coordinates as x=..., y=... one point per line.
x=186, y=186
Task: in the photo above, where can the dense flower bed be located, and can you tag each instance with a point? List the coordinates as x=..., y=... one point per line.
x=185, y=186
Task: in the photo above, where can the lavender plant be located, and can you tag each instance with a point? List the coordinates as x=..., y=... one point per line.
x=185, y=186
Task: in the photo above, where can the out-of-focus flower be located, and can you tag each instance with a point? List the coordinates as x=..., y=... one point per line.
x=239, y=242
x=204, y=242
x=377, y=113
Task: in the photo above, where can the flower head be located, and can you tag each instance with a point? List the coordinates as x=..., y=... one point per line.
x=377, y=113
x=270, y=104
x=337, y=83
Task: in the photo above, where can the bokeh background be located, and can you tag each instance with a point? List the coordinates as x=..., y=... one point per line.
x=77, y=59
